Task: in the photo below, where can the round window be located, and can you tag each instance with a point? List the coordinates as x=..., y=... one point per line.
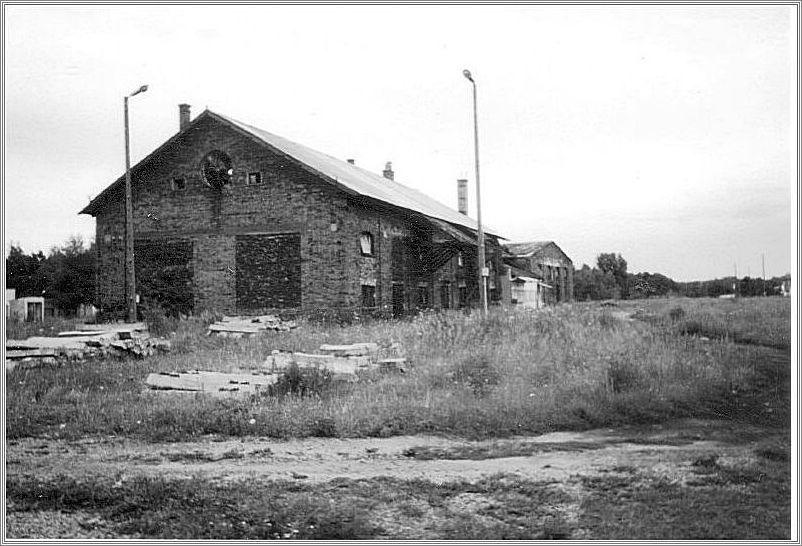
x=216, y=169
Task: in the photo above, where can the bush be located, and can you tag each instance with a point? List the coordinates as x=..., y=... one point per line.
x=302, y=382
x=676, y=314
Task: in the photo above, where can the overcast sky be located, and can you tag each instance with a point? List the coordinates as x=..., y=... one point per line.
x=664, y=133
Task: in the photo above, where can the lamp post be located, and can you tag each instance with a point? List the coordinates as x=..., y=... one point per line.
x=130, y=277
x=480, y=234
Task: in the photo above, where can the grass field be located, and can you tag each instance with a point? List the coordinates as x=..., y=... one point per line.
x=565, y=368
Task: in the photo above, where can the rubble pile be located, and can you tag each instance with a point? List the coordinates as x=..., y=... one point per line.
x=344, y=362
x=92, y=341
x=248, y=326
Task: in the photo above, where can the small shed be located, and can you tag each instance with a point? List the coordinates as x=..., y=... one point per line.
x=529, y=291
x=29, y=309
x=11, y=294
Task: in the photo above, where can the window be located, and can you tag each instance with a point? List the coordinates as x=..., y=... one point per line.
x=366, y=244
x=254, y=178
x=463, y=296
x=368, y=296
x=216, y=169
x=460, y=259
x=179, y=184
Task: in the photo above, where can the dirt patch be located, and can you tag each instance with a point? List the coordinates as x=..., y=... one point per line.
x=553, y=456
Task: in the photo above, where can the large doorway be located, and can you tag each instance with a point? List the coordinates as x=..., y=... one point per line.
x=268, y=271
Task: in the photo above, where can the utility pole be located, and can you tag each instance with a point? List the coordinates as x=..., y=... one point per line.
x=763, y=259
x=130, y=277
x=480, y=234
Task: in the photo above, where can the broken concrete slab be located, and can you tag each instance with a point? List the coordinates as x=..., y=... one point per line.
x=23, y=353
x=354, y=349
x=80, y=333
x=342, y=369
x=246, y=326
x=392, y=365
x=216, y=383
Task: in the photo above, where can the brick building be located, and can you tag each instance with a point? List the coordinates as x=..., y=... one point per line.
x=545, y=261
x=233, y=218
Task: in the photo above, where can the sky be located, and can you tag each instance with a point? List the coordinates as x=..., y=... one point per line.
x=667, y=134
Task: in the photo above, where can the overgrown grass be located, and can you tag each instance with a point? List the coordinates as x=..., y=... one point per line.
x=563, y=368
x=756, y=321
x=18, y=329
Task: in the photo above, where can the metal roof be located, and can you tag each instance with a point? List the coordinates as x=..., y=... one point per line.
x=359, y=180
x=526, y=249
x=342, y=173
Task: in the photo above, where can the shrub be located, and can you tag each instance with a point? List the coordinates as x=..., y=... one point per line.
x=676, y=314
x=302, y=381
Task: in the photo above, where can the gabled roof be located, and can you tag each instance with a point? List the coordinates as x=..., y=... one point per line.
x=341, y=173
x=525, y=250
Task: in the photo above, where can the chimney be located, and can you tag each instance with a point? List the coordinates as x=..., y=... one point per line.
x=462, y=196
x=183, y=116
x=351, y=161
x=388, y=171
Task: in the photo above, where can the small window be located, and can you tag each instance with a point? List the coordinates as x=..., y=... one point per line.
x=368, y=296
x=179, y=184
x=366, y=244
x=254, y=178
x=460, y=259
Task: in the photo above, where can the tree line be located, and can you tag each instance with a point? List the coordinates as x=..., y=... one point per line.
x=609, y=279
x=66, y=275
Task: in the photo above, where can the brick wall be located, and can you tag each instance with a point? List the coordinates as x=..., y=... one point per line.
x=326, y=223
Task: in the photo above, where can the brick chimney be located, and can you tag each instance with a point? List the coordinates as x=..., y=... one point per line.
x=183, y=116
x=388, y=171
x=462, y=196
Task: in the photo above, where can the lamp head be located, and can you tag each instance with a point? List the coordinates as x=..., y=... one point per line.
x=140, y=90
x=467, y=74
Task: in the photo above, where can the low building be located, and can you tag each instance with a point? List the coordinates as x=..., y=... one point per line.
x=11, y=294
x=546, y=261
x=528, y=291
x=234, y=218
x=28, y=309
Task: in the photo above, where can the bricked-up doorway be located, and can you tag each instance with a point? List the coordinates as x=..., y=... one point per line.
x=164, y=274
x=398, y=299
x=268, y=271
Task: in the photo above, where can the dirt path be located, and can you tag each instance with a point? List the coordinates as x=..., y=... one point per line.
x=671, y=449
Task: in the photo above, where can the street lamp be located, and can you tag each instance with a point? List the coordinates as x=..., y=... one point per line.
x=130, y=277
x=480, y=234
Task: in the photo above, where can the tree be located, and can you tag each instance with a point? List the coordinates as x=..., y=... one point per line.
x=21, y=272
x=66, y=275
x=615, y=265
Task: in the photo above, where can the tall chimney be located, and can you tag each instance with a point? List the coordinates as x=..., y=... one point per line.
x=388, y=171
x=462, y=196
x=183, y=116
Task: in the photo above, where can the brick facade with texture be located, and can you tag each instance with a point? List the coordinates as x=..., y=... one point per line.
x=277, y=236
